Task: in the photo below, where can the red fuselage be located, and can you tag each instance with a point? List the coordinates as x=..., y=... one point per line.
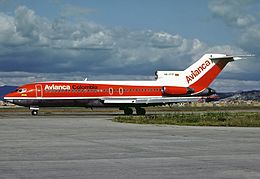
x=88, y=94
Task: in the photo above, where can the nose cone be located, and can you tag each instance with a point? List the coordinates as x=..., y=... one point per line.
x=9, y=97
x=9, y=100
x=4, y=90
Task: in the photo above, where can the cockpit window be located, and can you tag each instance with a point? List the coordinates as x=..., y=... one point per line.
x=21, y=90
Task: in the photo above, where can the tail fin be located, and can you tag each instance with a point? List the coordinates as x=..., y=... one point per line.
x=201, y=74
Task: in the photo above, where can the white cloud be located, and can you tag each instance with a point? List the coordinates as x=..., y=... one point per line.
x=63, y=50
x=233, y=12
x=8, y=32
x=20, y=78
x=239, y=15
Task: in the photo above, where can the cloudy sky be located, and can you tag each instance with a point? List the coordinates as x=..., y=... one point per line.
x=115, y=39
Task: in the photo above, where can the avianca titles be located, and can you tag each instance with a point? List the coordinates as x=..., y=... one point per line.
x=168, y=87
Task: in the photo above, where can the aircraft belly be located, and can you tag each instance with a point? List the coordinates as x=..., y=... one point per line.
x=59, y=102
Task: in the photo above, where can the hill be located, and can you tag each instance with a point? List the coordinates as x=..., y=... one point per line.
x=253, y=95
x=5, y=90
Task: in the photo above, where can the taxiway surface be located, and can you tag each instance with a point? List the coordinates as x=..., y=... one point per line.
x=92, y=146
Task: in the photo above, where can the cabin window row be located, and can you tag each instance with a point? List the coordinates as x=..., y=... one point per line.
x=105, y=90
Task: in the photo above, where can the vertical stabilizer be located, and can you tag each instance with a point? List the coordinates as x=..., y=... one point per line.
x=202, y=73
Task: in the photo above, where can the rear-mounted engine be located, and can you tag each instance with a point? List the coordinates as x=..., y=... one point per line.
x=176, y=90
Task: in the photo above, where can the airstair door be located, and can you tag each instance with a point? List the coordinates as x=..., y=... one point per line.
x=39, y=91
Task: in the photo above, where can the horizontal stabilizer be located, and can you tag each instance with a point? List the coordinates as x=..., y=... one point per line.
x=242, y=57
x=231, y=57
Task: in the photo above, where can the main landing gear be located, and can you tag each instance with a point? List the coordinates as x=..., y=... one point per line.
x=129, y=111
x=140, y=111
x=35, y=110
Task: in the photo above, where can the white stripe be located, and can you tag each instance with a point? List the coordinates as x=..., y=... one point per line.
x=102, y=98
x=98, y=97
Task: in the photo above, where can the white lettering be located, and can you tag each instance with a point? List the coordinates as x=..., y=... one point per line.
x=57, y=87
x=196, y=72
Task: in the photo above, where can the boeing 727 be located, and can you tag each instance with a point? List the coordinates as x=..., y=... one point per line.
x=167, y=88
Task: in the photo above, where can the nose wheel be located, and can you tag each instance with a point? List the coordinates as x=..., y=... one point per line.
x=35, y=110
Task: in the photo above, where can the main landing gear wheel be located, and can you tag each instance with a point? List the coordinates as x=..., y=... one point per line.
x=128, y=111
x=140, y=111
x=34, y=112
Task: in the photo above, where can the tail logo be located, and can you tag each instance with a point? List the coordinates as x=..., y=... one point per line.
x=196, y=72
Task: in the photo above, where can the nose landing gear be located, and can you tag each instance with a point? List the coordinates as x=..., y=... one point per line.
x=35, y=110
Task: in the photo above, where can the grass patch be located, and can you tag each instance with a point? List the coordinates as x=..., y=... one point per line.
x=204, y=108
x=239, y=119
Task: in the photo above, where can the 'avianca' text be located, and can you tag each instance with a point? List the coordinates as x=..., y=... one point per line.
x=196, y=72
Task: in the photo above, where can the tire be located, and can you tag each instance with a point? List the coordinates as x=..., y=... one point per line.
x=128, y=111
x=140, y=111
x=34, y=112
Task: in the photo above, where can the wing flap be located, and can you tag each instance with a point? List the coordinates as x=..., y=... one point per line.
x=155, y=100
x=119, y=101
x=167, y=100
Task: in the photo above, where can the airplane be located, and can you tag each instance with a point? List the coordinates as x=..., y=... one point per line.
x=168, y=87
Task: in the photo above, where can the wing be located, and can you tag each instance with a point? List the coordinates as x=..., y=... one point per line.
x=150, y=100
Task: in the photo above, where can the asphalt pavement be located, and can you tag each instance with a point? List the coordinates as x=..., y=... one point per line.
x=92, y=146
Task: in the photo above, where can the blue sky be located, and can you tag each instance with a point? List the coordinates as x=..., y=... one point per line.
x=189, y=17
x=113, y=39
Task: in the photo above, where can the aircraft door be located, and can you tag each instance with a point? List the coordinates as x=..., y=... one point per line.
x=38, y=91
x=111, y=91
x=121, y=91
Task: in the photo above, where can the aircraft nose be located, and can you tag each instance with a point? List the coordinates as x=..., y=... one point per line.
x=9, y=100
x=8, y=97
